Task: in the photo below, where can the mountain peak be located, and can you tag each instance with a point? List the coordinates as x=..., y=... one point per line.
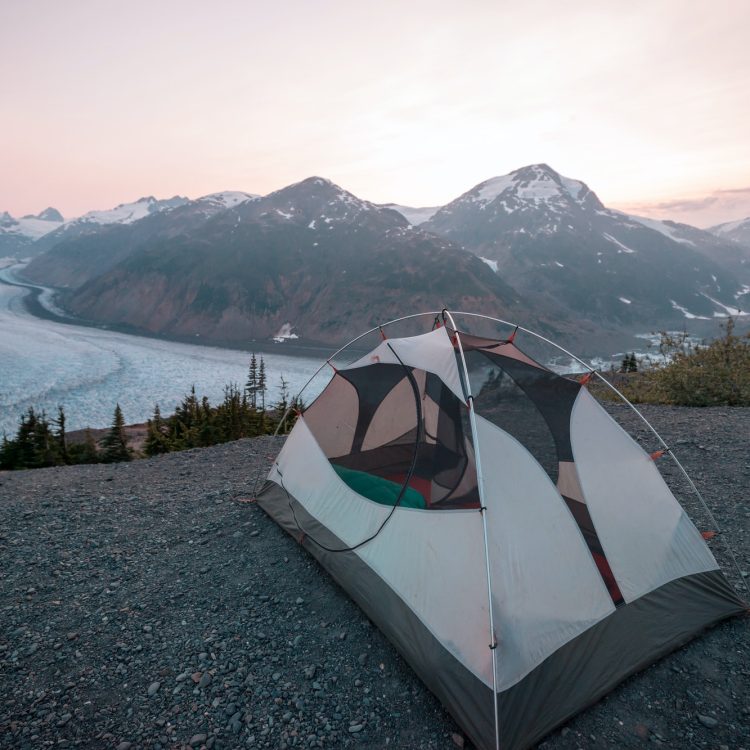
x=532, y=185
x=50, y=214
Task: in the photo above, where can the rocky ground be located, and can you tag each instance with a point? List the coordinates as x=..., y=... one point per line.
x=150, y=605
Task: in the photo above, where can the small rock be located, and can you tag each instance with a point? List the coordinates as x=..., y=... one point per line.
x=205, y=680
x=153, y=687
x=299, y=600
x=197, y=739
x=707, y=721
x=354, y=728
x=458, y=739
x=124, y=745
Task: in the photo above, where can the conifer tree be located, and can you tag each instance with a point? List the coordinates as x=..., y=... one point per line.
x=115, y=443
x=251, y=387
x=157, y=440
x=89, y=452
x=262, y=387
x=60, y=435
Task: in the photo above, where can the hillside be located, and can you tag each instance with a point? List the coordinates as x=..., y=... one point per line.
x=532, y=246
x=311, y=257
x=551, y=236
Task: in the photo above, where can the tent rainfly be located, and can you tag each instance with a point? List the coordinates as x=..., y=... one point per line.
x=517, y=547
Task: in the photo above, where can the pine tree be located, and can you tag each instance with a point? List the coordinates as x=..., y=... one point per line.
x=251, y=387
x=89, y=453
x=115, y=443
x=157, y=440
x=60, y=435
x=283, y=405
x=262, y=388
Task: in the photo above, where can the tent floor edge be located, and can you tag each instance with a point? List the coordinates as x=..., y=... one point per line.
x=466, y=698
x=626, y=642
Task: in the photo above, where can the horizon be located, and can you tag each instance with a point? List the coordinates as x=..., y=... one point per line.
x=645, y=104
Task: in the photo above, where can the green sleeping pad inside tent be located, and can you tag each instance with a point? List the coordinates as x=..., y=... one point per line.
x=380, y=490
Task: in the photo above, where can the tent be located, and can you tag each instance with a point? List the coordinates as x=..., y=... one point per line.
x=516, y=545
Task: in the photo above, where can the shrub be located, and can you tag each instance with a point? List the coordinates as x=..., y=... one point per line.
x=717, y=374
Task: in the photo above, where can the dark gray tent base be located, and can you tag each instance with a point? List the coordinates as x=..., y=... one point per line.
x=574, y=677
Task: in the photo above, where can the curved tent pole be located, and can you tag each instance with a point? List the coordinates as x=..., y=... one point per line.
x=483, y=513
x=338, y=351
x=648, y=424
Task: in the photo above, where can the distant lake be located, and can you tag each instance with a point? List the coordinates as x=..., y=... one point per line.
x=44, y=363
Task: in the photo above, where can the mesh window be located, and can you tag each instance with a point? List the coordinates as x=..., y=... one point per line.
x=501, y=400
x=384, y=425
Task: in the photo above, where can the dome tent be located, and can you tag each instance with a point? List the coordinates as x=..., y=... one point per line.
x=512, y=541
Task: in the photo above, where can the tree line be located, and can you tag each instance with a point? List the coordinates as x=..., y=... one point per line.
x=41, y=440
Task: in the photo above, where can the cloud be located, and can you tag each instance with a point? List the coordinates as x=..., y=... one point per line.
x=745, y=191
x=694, y=204
x=719, y=206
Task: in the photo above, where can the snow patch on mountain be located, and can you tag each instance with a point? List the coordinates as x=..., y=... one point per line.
x=623, y=248
x=728, y=310
x=229, y=198
x=658, y=226
x=415, y=216
x=490, y=189
x=730, y=226
x=284, y=334
x=491, y=263
x=686, y=313
x=127, y=213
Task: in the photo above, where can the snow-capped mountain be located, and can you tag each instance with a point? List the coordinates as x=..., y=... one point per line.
x=87, y=247
x=124, y=213
x=310, y=259
x=551, y=235
x=16, y=235
x=737, y=231
x=415, y=216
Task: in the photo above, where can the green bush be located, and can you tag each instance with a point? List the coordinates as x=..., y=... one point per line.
x=717, y=374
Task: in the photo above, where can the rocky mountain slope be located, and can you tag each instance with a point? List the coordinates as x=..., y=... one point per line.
x=550, y=235
x=90, y=246
x=311, y=258
x=19, y=236
x=737, y=231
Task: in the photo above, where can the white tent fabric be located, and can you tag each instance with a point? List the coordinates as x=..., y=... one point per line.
x=431, y=351
x=546, y=587
x=441, y=579
x=648, y=538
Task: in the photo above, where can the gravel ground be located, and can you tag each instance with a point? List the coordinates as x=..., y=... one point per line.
x=149, y=605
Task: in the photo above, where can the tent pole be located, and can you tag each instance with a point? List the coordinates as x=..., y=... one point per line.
x=480, y=487
x=624, y=398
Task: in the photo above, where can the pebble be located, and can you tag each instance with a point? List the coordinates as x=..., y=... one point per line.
x=205, y=680
x=152, y=688
x=707, y=721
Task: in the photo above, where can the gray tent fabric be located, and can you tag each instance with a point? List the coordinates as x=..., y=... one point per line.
x=569, y=626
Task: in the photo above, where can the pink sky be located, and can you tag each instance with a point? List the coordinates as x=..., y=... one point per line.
x=412, y=102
